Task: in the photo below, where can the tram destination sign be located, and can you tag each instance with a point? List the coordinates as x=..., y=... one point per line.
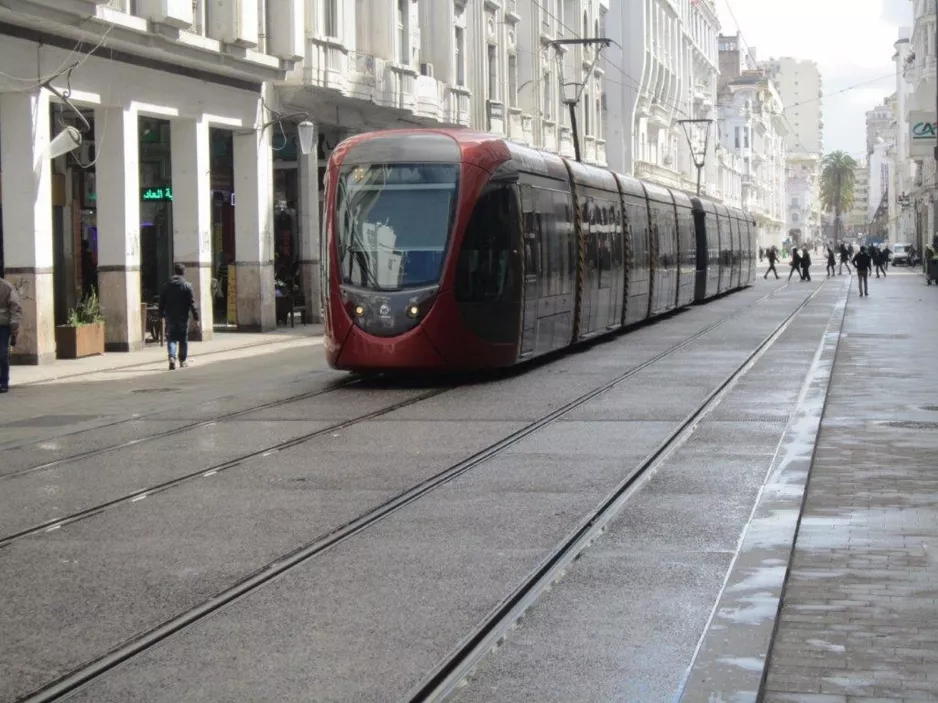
x=923, y=136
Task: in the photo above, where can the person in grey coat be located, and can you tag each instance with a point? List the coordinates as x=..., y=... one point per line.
x=10, y=315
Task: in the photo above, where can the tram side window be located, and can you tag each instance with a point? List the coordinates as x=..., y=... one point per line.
x=688, y=237
x=529, y=224
x=485, y=272
x=638, y=225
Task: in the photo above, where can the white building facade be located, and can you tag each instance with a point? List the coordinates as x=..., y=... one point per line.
x=803, y=194
x=901, y=215
x=754, y=128
x=664, y=70
x=800, y=87
x=151, y=93
x=189, y=112
x=920, y=74
x=882, y=135
x=858, y=218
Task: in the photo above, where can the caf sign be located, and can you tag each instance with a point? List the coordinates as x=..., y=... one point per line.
x=923, y=134
x=923, y=130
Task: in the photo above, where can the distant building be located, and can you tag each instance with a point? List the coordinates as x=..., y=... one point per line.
x=800, y=86
x=803, y=193
x=753, y=127
x=878, y=122
x=858, y=218
x=881, y=159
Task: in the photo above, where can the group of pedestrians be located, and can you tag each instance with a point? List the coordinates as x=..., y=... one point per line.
x=863, y=261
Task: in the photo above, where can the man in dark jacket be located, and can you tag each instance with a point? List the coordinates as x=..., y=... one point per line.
x=862, y=261
x=844, y=259
x=773, y=258
x=176, y=300
x=795, y=264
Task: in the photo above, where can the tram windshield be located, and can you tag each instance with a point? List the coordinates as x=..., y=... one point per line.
x=393, y=222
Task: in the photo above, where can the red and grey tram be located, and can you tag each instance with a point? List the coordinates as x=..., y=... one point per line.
x=455, y=250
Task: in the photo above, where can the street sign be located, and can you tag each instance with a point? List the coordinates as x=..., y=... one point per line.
x=923, y=137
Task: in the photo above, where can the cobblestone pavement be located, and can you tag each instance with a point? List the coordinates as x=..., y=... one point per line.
x=858, y=621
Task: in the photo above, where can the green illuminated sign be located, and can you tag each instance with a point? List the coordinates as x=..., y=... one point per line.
x=164, y=194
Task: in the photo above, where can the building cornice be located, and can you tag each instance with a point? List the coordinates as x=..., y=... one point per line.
x=138, y=42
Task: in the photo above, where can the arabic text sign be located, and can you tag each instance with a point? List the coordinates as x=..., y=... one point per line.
x=923, y=136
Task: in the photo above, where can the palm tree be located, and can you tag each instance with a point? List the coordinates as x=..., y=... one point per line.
x=838, y=177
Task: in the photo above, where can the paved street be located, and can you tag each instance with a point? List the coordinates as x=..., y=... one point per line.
x=262, y=528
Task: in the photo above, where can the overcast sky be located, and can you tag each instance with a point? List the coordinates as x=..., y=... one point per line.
x=852, y=41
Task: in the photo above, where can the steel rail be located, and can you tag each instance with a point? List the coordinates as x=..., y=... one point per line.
x=146, y=639
x=59, y=522
x=454, y=669
x=162, y=434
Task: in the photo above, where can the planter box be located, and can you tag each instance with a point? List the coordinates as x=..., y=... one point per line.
x=78, y=342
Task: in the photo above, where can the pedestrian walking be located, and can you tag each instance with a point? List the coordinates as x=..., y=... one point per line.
x=879, y=260
x=831, y=262
x=176, y=301
x=887, y=254
x=844, y=259
x=795, y=264
x=862, y=261
x=805, y=265
x=10, y=315
x=772, y=255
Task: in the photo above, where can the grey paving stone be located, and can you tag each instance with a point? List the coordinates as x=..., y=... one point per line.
x=864, y=563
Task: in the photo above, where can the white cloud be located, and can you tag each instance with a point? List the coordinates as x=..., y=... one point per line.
x=851, y=40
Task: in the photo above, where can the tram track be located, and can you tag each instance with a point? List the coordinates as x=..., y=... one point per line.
x=57, y=523
x=146, y=639
x=223, y=417
x=456, y=668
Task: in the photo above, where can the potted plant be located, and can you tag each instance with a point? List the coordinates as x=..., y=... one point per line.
x=83, y=334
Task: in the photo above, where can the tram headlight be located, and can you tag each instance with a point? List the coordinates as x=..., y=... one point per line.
x=387, y=313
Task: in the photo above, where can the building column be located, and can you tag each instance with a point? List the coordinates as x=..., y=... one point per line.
x=254, y=228
x=117, y=175
x=309, y=226
x=192, y=215
x=27, y=220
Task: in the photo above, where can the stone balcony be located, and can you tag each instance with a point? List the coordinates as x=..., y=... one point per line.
x=361, y=76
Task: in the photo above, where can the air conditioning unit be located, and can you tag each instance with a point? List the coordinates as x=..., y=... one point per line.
x=426, y=69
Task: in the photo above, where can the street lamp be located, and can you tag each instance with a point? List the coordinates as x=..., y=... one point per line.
x=65, y=141
x=306, y=130
x=69, y=138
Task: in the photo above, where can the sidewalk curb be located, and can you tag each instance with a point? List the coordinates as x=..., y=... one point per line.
x=732, y=656
x=314, y=338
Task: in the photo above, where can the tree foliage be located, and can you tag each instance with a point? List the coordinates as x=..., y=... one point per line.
x=838, y=178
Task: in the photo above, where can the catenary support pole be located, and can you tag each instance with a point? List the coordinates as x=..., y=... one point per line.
x=573, y=128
